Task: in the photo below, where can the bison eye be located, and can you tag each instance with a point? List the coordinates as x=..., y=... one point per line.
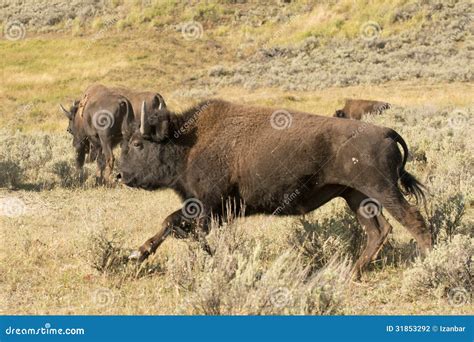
x=137, y=144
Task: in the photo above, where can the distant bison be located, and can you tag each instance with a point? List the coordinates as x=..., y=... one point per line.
x=226, y=159
x=355, y=109
x=96, y=141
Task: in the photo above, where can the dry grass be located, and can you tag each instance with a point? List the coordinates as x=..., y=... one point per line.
x=63, y=245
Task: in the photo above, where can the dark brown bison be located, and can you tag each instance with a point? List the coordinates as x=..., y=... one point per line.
x=272, y=162
x=90, y=145
x=355, y=109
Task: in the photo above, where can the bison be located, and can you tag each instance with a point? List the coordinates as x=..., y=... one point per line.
x=226, y=159
x=355, y=109
x=96, y=141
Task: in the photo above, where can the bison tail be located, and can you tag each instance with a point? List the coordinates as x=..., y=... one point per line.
x=410, y=185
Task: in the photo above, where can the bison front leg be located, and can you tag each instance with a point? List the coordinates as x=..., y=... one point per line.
x=173, y=223
x=99, y=175
x=80, y=158
x=109, y=161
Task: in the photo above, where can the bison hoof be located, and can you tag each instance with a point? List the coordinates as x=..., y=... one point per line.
x=138, y=256
x=135, y=256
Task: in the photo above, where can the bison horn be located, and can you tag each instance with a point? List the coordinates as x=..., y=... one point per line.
x=68, y=113
x=161, y=100
x=144, y=126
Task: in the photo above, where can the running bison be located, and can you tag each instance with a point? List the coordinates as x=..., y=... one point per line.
x=355, y=109
x=96, y=122
x=221, y=157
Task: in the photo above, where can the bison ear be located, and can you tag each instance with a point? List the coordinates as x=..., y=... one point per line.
x=66, y=112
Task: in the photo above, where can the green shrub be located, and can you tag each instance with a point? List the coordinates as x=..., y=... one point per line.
x=243, y=277
x=446, y=269
x=318, y=241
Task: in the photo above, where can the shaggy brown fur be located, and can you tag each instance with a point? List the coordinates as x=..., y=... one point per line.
x=218, y=153
x=355, y=109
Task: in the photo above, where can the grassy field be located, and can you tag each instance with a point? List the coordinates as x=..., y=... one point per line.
x=64, y=245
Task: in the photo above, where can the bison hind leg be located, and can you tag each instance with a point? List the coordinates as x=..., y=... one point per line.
x=410, y=217
x=377, y=228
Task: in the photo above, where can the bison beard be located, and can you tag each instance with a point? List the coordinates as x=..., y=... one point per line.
x=231, y=154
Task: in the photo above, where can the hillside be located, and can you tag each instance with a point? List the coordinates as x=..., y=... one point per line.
x=240, y=49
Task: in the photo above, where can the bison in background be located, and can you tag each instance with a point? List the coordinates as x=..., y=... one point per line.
x=355, y=109
x=218, y=154
x=95, y=122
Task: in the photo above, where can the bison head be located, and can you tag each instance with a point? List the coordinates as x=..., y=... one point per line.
x=149, y=157
x=340, y=114
x=70, y=114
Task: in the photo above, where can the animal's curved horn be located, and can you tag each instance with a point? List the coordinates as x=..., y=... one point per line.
x=144, y=126
x=162, y=102
x=68, y=113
